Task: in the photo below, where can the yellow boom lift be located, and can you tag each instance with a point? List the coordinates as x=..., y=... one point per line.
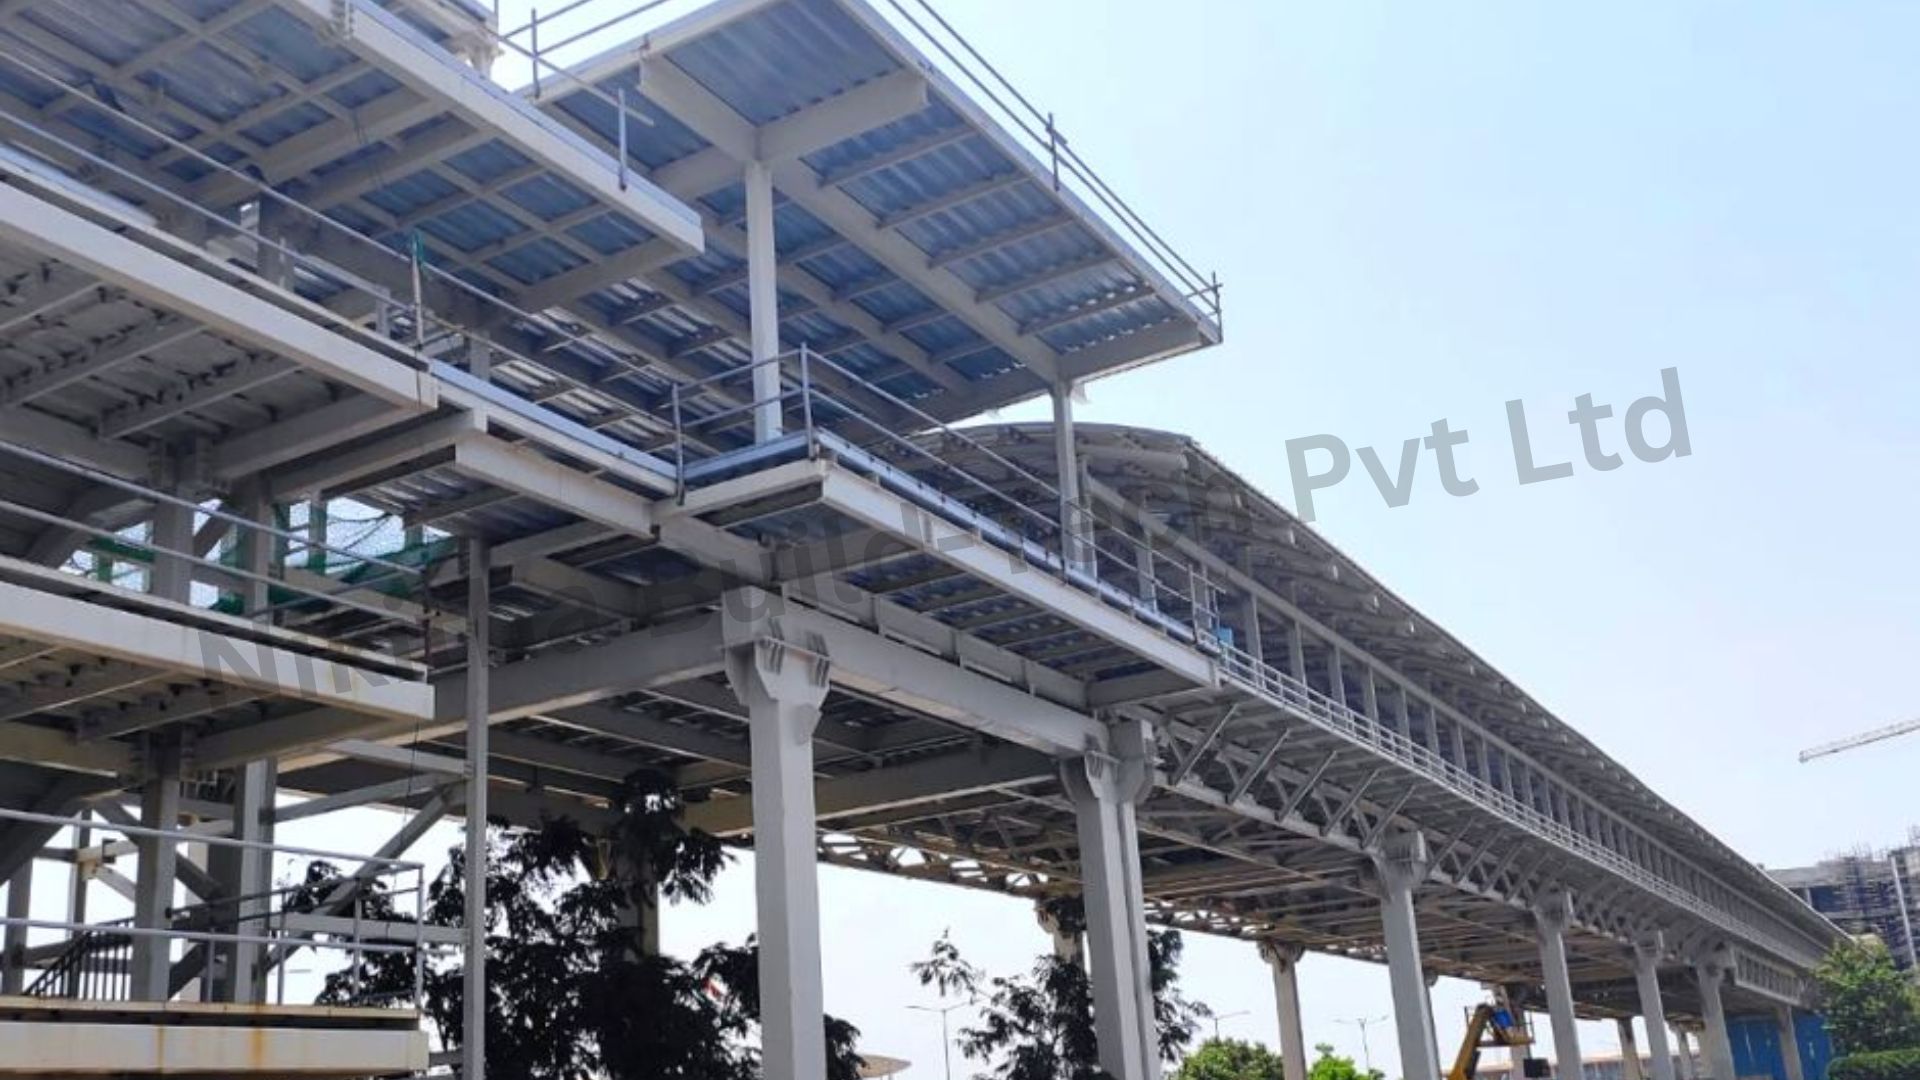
x=1492, y=1024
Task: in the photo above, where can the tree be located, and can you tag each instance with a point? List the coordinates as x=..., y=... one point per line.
x=1039, y=1026
x=572, y=994
x=1869, y=1004
x=1231, y=1059
x=1331, y=1066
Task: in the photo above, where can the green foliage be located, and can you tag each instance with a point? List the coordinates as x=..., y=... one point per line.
x=571, y=995
x=1869, y=1005
x=1039, y=1026
x=1331, y=1066
x=1230, y=1059
x=1876, y=1065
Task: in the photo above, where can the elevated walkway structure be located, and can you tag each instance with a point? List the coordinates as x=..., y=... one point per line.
x=383, y=432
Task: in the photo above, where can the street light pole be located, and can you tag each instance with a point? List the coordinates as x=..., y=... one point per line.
x=1217, y=1017
x=946, y=1043
x=1366, y=1052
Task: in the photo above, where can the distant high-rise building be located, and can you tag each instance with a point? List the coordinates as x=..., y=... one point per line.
x=1867, y=892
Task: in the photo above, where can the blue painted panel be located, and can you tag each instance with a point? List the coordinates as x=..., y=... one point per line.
x=1756, y=1045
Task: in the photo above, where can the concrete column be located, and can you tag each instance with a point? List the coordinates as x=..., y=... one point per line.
x=1104, y=787
x=1713, y=1038
x=1646, y=976
x=782, y=688
x=1683, y=1054
x=1066, y=941
x=1550, y=918
x=1076, y=540
x=473, y=1036
x=13, y=947
x=1789, y=1044
x=1402, y=865
x=1284, y=958
x=153, y=889
x=763, y=301
x=1629, y=1050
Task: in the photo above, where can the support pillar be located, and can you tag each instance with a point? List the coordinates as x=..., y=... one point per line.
x=1683, y=1054
x=1789, y=1044
x=763, y=302
x=1076, y=545
x=782, y=687
x=172, y=574
x=1629, y=1050
x=1550, y=919
x=1713, y=1038
x=473, y=1034
x=1401, y=865
x=1284, y=958
x=1646, y=976
x=246, y=875
x=13, y=969
x=1105, y=787
x=153, y=890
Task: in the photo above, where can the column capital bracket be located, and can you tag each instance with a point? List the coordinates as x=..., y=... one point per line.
x=1278, y=952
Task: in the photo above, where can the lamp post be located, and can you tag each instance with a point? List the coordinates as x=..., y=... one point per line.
x=1217, y=1017
x=946, y=1044
x=1366, y=1052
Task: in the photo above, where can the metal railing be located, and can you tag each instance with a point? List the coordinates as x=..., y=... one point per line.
x=989, y=495
x=576, y=30
x=379, y=909
x=270, y=584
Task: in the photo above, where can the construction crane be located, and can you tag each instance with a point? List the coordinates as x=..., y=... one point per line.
x=1862, y=739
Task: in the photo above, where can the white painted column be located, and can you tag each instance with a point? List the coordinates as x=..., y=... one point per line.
x=1402, y=866
x=1550, y=918
x=1629, y=1050
x=13, y=950
x=172, y=576
x=1684, y=1054
x=1789, y=1044
x=782, y=688
x=473, y=1038
x=1104, y=787
x=763, y=301
x=1076, y=545
x=253, y=878
x=1284, y=958
x=1714, y=1039
x=1646, y=977
x=153, y=889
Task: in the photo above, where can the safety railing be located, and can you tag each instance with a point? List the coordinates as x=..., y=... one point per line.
x=551, y=40
x=225, y=562
x=370, y=922
x=822, y=406
x=1308, y=704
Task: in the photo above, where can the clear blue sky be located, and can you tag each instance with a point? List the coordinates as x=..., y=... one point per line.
x=1422, y=211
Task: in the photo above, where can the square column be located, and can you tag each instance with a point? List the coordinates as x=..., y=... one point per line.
x=1104, y=786
x=13, y=970
x=1629, y=1050
x=763, y=301
x=1789, y=1044
x=782, y=687
x=1401, y=865
x=1684, y=1054
x=1550, y=919
x=1713, y=1038
x=479, y=709
x=1646, y=977
x=153, y=889
x=245, y=876
x=1284, y=958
